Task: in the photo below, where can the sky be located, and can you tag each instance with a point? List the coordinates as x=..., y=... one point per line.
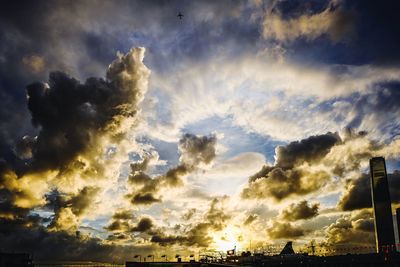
x=125, y=130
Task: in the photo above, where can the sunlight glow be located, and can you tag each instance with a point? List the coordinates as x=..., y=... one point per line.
x=228, y=239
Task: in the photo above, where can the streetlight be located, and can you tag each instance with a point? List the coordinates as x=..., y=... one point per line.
x=164, y=256
x=138, y=256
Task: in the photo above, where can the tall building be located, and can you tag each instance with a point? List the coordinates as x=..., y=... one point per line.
x=384, y=231
x=398, y=222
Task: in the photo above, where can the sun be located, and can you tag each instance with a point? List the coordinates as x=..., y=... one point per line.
x=228, y=239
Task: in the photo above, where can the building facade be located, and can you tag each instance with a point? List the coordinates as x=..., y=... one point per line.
x=384, y=230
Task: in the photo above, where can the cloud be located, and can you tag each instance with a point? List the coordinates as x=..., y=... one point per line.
x=121, y=221
x=69, y=209
x=354, y=229
x=21, y=193
x=284, y=230
x=85, y=130
x=195, y=151
x=250, y=219
x=286, y=178
x=81, y=142
x=124, y=226
x=123, y=215
x=279, y=184
x=357, y=193
x=300, y=211
x=76, y=118
x=145, y=224
x=310, y=150
x=144, y=199
x=77, y=124
x=197, y=193
x=377, y=110
x=198, y=235
x=11, y=196
x=304, y=167
x=334, y=21
x=243, y=164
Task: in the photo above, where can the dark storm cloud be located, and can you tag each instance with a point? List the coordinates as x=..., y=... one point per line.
x=18, y=53
x=73, y=121
x=284, y=230
x=300, y=211
x=94, y=34
x=357, y=194
x=310, y=150
x=28, y=48
x=285, y=178
x=85, y=37
x=195, y=150
x=364, y=225
x=72, y=116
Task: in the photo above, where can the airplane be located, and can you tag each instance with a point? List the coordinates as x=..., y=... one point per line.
x=180, y=15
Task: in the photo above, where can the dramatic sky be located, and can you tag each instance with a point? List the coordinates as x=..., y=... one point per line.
x=125, y=130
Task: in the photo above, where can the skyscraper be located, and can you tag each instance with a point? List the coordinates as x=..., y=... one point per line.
x=384, y=232
x=398, y=222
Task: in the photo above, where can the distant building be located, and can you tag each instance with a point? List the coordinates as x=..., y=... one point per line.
x=288, y=249
x=384, y=232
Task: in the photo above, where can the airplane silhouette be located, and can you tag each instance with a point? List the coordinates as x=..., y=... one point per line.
x=180, y=15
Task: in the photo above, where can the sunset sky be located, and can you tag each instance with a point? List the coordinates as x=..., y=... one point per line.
x=125, y=130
